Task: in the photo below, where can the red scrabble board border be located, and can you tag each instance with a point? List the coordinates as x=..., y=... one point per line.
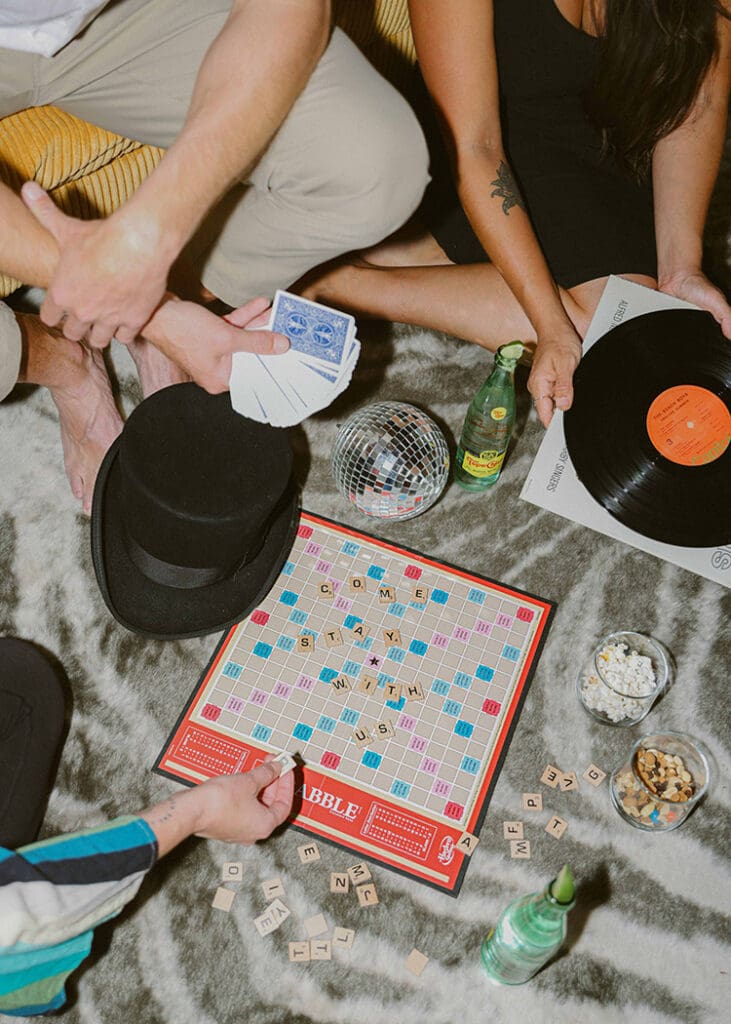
x=445, y=877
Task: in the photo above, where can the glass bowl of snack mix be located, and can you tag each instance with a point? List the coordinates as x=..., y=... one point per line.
x=665, y=777
x=623, y=677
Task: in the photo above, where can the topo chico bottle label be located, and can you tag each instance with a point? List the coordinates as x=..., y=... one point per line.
x=482, y=465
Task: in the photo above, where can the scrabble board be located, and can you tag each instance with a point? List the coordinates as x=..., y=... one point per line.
x=395, y=679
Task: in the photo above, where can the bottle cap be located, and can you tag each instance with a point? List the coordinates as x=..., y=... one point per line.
x=511, y=352
x=562, y=887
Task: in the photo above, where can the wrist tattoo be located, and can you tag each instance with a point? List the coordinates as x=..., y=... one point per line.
x=167, y=812
x=506, y=189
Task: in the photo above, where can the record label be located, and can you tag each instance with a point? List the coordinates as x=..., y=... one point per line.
x=689, y=425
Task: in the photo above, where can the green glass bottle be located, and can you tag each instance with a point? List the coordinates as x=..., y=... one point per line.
x=489, y=424
x=529, y=932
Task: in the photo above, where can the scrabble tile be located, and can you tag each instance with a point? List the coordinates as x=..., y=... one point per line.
x=305, y=642
x=362, y=738
x=392, y=691
x=556, y=827
x=357, y=584
x=386, y=595
x=367, y=895
x=419, y=594
x=339, y=882
x=512, y=830
x=326, y=591
x=467, y=843
x=551, y=776
x=359, y=873
x=413, y=691
x=279, y=911
x=320, y=949
x=315, y=925
x=593, y=775
x=392, y=637
x=223, y=899
x=272, y=887
x=520, y=849
x=360, y=632
x=299, y=952
x=265, y=923
x=343, y=938
x=416, y=962
x=341, y=683
x=232, y=871
x=308, y=853
x=367, y=684
x=569, y=783
x=532, y=802
x=333, y=638
x=383, y=730
x=287, y=762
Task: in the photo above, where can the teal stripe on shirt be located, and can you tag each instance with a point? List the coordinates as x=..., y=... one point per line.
x=115, y=837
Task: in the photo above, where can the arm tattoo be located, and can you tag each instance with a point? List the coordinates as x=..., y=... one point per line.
x=506, y=189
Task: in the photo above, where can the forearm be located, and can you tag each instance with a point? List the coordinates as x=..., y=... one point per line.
x=174, y=819
x=684, y=169
x=27, y=251
x=249, y=79
x=494, y=206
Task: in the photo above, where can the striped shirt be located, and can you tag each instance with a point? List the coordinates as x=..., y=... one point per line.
x=52, y=896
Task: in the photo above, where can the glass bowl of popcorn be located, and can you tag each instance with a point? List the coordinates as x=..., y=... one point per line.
x=623, y=677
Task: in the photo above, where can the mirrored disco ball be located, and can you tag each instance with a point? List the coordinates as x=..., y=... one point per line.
x=391, y=460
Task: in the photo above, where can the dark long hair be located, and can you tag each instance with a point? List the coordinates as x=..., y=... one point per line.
x=653, y=58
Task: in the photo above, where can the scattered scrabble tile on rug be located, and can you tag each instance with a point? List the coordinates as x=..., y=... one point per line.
x=232, y=871
x=343, y=938
x=359, y=873
x=551, y=776
x=569, y=783
x=309, y=853
x=266, y=923
x=279, y=911
x=272, y=887
x=532, y=802
x=223, y=899
x=299, y=952
x=320, y=949
x=416, y=962
x=339, y=882
x=367, y=895
x=520, y=849
x=512, y=830
x=315, y=925
x=556, y=827
x=593, y=775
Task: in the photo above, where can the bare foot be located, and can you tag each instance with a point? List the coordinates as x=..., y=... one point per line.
x=155, y=370
x=89, y=420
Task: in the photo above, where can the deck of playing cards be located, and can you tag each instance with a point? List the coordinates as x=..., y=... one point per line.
x=284, y=390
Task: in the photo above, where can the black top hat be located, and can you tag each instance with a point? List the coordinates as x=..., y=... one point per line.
x=195, y=511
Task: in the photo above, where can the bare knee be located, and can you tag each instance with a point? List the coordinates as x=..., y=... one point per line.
x=581, y=301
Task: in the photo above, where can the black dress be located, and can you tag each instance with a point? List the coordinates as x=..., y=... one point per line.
x=590, y=216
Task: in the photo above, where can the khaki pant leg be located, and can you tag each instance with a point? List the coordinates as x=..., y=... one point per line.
x=10, y=350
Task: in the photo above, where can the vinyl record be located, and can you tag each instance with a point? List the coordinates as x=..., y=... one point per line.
x=649, y=429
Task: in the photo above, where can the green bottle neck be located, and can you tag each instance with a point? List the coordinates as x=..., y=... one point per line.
x=542, y=914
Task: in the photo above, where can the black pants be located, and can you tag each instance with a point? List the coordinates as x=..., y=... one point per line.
x=32, y=707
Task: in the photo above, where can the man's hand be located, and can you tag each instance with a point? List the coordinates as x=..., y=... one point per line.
x=111, y=274
x=694, y=286
x=550, y=380
x=202, y=343
x=245, y=808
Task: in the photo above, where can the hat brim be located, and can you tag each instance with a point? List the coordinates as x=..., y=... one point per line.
x=167, y=613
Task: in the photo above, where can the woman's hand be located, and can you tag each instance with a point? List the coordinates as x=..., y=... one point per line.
x=550, y=382
x=694, y=286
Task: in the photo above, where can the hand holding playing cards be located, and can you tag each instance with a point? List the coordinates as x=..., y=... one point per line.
x=284, y=390
x=203, y=344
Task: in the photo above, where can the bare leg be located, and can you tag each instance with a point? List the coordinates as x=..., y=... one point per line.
x=79, y=385
x=155, y=370
x=471, y=301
